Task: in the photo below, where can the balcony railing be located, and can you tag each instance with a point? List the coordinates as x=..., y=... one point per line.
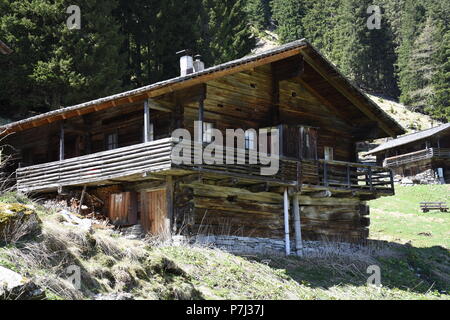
x=96, y=167
x=132, y=162
x=355, y=176
x=416, y=156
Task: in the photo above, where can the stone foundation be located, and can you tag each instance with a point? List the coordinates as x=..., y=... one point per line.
x=264, y=246
x=425, y=177
x=236, y=244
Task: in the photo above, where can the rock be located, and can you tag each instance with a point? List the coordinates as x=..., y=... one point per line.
x=72, y=219
x=17, y=221
x=407, y=181
x=115, y=296
x=15, y=287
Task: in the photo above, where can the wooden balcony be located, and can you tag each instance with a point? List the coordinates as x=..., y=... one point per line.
x=429, y=153
x=102, y=167
x=141, y=161
x=355, y=176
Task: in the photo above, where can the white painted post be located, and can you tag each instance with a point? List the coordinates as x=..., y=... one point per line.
x=146, y=121
x=297, y=226
x=286, y=223
x=61, y=142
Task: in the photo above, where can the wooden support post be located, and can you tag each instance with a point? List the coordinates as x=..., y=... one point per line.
x=297, y=226
x=146, y=121
x=287, y=241
x=170, y=207
x=391, y=175
x=325, y=174
x=201, y=111
x=82, y=198
x=61, y=142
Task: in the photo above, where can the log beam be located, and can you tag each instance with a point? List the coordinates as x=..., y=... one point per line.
x=287, y=241
x=297, y=226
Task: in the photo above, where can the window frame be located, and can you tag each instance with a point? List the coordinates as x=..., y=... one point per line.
x=114, y=144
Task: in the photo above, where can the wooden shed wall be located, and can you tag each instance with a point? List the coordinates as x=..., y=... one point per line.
x=206, y=209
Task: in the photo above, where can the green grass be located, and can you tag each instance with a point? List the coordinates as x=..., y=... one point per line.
x=399, y=218
x=413, y=266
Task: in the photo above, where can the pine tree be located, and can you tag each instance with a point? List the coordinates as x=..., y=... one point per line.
x=288, y=15
x=413, y=20
x=366, y=56
x=53, y=66
x=225, y=33
x=440, y=108
x=319, y=22
x=423, y=68
x=258, y=12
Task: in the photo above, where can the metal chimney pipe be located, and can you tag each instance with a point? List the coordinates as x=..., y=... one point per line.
x=199, y=65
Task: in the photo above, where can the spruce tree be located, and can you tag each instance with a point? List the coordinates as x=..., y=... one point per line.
x=440, y=102
x=366, y=56
x=225, y=34
x=258, y=12
x=53, y=66
x=288, y=15
x=319, y=22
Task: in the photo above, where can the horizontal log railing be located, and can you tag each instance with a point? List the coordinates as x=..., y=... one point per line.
x=417, y=156
x=355, y=176
x=157, y=156
x=236, y=161
x=101, y=166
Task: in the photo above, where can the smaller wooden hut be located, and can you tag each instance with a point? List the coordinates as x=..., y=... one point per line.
x=425, y=154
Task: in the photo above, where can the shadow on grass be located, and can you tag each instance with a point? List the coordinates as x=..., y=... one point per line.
x=403, y=267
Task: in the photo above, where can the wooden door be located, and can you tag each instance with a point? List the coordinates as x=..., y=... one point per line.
x=123, y=208
x=308, y=143
x=154, y=211
x=291, y=142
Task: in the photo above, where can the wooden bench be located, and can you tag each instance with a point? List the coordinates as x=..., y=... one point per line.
x=427, y=206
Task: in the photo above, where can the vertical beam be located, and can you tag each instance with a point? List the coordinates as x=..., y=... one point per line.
x=82, y=198
x=146, y=121
x=61, y=141
x=201, y=111
x=170, y=206
x=297, y=226
x=391, y=176
x=287, y=241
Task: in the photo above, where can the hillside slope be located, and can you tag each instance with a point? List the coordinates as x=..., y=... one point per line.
x=411, y=121
x=113, y=266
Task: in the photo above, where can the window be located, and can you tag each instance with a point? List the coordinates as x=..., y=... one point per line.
x=328, y=153
x=112, y=141
x=207, y=131
x=250, y=139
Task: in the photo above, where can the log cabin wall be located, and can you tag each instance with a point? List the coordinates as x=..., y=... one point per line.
x=240, y=100
x=245, y=100
x=216, y=210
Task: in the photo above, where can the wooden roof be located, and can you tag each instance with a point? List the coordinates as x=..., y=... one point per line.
x=413, y=137
x=341, y=94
